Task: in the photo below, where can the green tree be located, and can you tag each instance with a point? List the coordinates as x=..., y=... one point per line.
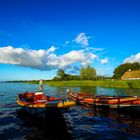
x=56, y=79
x=61, y=74
x=88, y=73
x=121, y=69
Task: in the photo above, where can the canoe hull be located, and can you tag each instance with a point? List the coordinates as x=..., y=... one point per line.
x=106, y=101
x=44, y=103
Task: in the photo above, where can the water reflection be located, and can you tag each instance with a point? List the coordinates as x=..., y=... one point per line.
x=52, y=126
x=78, y=122
x=102, y=124
x=109, y=91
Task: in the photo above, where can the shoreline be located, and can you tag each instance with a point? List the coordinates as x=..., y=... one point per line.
x=89, y=83
x=105, y=83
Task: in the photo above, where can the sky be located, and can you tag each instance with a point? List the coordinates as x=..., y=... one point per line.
x=38, y=37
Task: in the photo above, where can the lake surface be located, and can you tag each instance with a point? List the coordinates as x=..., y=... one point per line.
x=77, y=123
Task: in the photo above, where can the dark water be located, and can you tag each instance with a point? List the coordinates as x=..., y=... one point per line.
x=77, y=123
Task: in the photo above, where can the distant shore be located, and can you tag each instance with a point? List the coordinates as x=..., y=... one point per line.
x=89, y=83
x=103, y=83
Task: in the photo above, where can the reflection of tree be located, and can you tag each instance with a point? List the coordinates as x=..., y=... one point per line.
x=91, y=90
x=132, y=92
x=117, y=92
x=127, y=92
x=106, y=91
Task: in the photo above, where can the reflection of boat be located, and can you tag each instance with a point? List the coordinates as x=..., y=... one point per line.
x=40, y=125
x=132, y=102
x=39, y=100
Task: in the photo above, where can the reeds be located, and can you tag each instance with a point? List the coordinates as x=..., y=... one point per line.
x=103, y=83
x=134, y=84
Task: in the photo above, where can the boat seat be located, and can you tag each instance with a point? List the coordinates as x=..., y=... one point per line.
x=28, y=95
x=41, y=101
x=38, y=93
x=40, y=98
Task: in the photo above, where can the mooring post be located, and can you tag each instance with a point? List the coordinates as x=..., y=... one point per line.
x=41, y=85
x=68, y=91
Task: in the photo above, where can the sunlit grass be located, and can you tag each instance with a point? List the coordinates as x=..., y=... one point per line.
x=134, y=84
x=89, y=83
x=105, y=83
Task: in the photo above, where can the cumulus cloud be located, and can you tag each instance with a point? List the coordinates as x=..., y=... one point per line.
x=133, y=58
x=104, y=61
x=20, y=56
x=44, y=59
x=82, y=39
x=51, y=49
x=70, y=58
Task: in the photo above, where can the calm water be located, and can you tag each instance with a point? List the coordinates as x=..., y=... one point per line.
x=77, y=123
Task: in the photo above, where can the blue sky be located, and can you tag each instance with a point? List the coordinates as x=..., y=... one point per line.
x=38, y=37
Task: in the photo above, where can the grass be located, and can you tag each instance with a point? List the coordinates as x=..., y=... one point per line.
x=89, y=83
x=104, y=83
x=134, y=84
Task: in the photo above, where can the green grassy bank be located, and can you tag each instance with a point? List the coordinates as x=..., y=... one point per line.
x=104, y=83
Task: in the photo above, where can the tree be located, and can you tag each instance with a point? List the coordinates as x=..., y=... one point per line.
x=55, y=79
x=88, y=73
x=61, y=74
x=121, y=69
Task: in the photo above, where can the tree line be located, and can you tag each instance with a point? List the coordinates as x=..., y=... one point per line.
x=89, y=73
x=121, y=69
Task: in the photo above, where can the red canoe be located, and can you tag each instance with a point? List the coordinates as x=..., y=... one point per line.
x=111, y=101
x=40, y=100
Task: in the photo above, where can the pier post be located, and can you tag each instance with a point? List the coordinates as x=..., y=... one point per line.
x=68, y=91
x=41, y=85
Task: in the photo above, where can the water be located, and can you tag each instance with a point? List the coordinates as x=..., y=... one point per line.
x=77, y=123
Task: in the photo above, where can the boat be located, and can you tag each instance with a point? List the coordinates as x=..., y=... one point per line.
x=40, y=100
x=81, y=97
x=132, y=102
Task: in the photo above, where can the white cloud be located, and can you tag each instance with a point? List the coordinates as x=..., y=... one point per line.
x=66, y=42
x=20, y=56
x=72, y=57
x=104, y=61
x=94, y=49
x=133, y=58
x=44, y=59
x=82, y=39
x=51, y=49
